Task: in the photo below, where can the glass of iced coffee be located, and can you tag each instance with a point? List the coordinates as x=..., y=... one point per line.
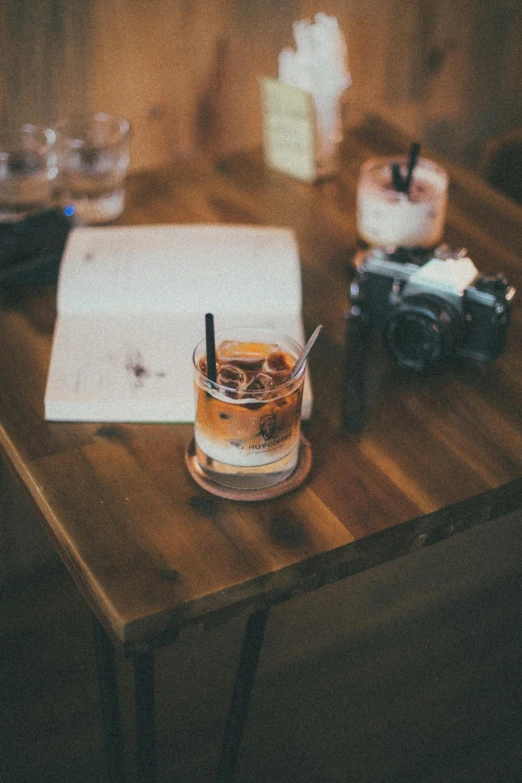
x=390, y=217
x=247, y=423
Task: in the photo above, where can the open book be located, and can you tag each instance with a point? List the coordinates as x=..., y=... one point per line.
x=131, y=309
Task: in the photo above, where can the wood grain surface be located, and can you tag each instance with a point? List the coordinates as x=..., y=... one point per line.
x=151, y=550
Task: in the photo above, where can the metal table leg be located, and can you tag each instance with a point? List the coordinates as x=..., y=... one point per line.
x=238, y=710
x=105, y=662
x=144, y=704
x=145, y=717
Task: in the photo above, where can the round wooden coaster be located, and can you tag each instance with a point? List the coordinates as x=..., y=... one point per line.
x=301, y=471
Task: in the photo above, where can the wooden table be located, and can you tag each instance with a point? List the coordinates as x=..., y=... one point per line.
x=152, y=552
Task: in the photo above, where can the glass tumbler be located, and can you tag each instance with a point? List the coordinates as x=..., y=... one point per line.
x=28, y=169
x=247, y=424
x=389, y=218
x=94, y=155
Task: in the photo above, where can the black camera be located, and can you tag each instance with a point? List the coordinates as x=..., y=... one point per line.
x=431, y=306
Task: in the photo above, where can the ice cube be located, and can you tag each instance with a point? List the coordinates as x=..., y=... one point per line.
x=231, y=376
x=278, y=363
x=260, y=383
x=245, y=354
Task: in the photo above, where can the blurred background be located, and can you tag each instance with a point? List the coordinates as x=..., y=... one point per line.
x=185, y=72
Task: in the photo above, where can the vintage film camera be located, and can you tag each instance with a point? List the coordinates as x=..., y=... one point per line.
x=430, y=307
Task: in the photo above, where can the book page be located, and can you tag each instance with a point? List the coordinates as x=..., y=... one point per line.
x=130, y=368
x=180, y=269
x=131, y=310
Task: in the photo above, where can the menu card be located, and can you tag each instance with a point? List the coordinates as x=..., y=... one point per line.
x=289, y=129
x=131, y=309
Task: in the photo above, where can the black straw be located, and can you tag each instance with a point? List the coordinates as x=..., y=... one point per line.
x=412, y=162
x=211, y=348
x=397, y=181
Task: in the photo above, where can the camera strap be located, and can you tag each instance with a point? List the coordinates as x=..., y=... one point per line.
x=353, y=392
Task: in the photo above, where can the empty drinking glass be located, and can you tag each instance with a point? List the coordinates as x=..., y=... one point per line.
x=94, y=157
x=28, y=168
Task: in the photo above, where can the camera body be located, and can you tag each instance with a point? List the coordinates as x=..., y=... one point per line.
x=431, y=306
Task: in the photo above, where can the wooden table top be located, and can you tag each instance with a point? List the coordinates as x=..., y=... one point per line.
x=151, y=550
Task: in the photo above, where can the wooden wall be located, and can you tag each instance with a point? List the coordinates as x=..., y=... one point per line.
x=185, y=71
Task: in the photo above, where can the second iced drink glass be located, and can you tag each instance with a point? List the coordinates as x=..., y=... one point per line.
x=388, y=218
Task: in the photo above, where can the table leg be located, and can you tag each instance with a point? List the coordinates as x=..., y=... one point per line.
x=145, y=717
x=105, y=662
x=238, y=710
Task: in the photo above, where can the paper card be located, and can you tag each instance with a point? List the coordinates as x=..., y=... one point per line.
x=289, y=129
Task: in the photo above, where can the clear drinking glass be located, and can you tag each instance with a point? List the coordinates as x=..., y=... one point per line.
x=28, y=168
x=94, y=155
x=247, y=423
x=388, y=218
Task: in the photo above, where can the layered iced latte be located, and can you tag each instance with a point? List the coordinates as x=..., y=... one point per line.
x=247, y=422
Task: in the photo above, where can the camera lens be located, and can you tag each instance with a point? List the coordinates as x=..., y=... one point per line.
x=420, y=332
